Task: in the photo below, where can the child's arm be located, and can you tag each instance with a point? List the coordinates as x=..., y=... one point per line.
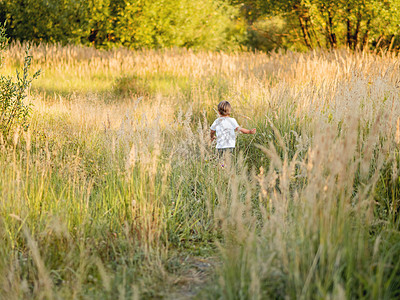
x=246, y=131
x=212, y=135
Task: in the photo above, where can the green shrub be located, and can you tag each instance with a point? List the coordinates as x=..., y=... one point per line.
x=14, y=111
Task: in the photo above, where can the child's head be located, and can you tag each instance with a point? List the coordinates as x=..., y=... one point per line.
x=224, y=108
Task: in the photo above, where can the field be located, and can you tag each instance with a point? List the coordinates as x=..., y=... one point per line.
x=115, y=191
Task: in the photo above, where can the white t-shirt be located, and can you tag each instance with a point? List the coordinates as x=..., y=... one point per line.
x=225, y=129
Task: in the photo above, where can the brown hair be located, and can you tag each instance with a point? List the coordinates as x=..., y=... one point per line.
x=224, y=108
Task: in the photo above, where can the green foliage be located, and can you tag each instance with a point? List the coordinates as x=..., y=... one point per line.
x=203, y=24
x=267, y=33
x=45, y=20
x=3, y=43
x=206, y=24
x=13, y=110
x=356, y=24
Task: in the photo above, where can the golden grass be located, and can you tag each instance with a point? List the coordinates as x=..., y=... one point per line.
x=307, y=210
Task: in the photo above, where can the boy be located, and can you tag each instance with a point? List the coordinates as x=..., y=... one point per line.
x=224, y=128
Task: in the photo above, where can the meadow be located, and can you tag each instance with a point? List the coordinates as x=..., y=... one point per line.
x=115, y=190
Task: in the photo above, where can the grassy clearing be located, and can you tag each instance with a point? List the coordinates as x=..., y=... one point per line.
x=115, y=189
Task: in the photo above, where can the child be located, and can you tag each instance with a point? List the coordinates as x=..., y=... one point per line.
x=224, y=127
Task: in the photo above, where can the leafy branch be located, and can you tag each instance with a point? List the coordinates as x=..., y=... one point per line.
x=14, y=111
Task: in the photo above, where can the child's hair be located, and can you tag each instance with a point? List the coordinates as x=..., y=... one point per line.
x=224, y=108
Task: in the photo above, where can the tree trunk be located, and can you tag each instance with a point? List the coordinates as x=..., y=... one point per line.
x=348, y=33
x=392, y=42
x=331, y=34
x=379, y=42
x=365, y=39
x=355, y=36
x=305, y=32
x=316, y=36
x=348, y=27
x=299, y=11
x=307, y=21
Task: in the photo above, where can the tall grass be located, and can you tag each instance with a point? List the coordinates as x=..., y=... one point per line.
x=116, y=181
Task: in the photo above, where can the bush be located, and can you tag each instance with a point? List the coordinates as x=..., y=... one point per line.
x=14, y=111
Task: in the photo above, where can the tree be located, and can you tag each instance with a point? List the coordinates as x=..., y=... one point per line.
x=45, y=20
x=208, y=24
x=330, y=24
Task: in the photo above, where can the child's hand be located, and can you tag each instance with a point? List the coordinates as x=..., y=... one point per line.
x=247, y=131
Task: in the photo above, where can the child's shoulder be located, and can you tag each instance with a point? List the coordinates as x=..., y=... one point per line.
x=216, y=120
x=216, y=123
x=233, y=120
x=220, y=120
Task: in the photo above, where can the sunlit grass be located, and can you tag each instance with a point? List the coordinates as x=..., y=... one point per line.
x=116, y=184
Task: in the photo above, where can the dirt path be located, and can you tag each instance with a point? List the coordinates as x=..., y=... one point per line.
x=194, y=278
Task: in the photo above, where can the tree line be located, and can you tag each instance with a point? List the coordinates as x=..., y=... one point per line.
x=207, y=24
x=310, y=24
